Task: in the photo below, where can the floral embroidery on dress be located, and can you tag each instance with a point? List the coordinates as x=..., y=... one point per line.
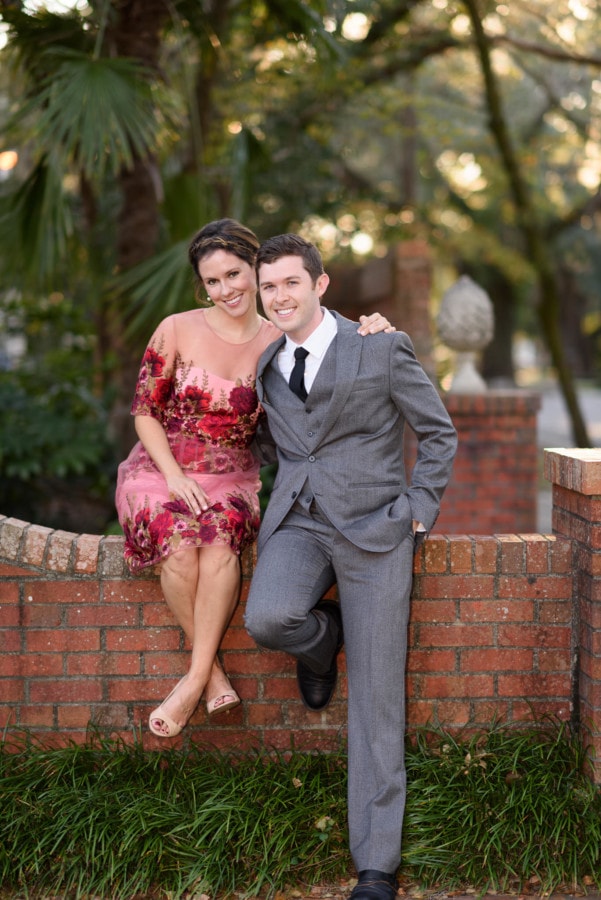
x=210, y=427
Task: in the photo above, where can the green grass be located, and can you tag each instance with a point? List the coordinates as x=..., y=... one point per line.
x=112, y=820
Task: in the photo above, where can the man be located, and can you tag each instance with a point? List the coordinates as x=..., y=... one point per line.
x=341, y=511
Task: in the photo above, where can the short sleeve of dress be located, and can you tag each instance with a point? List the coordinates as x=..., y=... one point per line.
x=154, y=388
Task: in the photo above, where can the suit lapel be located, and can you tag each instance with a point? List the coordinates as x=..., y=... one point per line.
x=267, y=357
x=337, y=374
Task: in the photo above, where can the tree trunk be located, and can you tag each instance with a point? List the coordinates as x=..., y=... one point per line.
x=135, y=32
x=549, y=305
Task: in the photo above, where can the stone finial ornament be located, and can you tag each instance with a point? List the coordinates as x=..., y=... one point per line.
x=466, y=324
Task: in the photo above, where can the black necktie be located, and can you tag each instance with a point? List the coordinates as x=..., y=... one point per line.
x=297, y=376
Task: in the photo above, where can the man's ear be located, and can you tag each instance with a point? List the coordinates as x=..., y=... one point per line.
x=322, y=284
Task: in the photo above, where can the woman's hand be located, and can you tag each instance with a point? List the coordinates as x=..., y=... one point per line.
x=154, y=439
x=374, y=324
x=189, y=491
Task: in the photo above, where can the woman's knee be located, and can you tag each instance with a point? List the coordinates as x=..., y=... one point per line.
x=182, y=564
x=217, y=560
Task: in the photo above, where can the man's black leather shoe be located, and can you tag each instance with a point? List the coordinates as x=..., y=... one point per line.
x=374, y=885
x=316, y=690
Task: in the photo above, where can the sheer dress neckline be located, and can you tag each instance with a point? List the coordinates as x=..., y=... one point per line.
x=219, y=337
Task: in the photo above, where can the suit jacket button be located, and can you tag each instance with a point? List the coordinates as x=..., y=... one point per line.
x=311, y=459
x=294, y=495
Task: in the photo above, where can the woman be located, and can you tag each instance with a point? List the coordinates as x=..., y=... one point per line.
x=187, y=495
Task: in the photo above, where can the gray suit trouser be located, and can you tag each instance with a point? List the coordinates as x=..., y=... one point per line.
x=296, y=566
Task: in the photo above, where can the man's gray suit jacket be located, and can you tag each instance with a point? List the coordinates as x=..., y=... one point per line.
x=344, y=445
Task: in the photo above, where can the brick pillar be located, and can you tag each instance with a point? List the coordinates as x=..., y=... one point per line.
x=493, y=489
x=576, y=479
x=412, y=288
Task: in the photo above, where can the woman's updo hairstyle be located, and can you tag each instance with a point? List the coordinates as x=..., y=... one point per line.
x=223, y=234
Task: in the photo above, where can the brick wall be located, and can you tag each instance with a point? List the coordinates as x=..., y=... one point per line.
x=576, y=479
x=83, y=641
x=502, y=627
x=494, y=485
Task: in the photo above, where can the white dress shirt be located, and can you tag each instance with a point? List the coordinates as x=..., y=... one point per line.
x=316, y=344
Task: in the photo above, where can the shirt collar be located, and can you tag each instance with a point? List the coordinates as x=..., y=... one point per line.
x=319, y=340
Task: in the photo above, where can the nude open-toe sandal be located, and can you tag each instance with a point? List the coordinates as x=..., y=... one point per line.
x=174, y=728
x=224, y=701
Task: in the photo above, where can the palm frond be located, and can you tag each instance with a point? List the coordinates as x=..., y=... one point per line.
x=156, y=288
x=99, y=111
x=36, y=222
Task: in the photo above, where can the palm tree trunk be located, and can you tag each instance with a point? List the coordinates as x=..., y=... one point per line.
x=135, y=31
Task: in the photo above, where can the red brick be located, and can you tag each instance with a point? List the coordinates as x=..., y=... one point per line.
x=40, y=716
x=237, y=639
x=535, y=709
x=265, y=714
x=46, y=665
x=460, y=686
x=590, y=613
x=419, y=712
x=496, y=611
x=8, y=570
x=12, y=665
x=9, y=594
x=534, y=636
x=280, y=688
x=533, y=685
x=74, y=716
x=554, y=660
x=247, y=687
x=173, y=665
x=590, y=666
x=65, y=690
x=460, y=554
x=493, y=660
x=454, y=714
x=34, y=545
x=457, y=586
x=535, y=586
x=86, y=554
x=432, y=660
x=11, y=537
x=134, y=591
x=537, y=553
x=485, y=554
x=150, y=639
x=433, y=611
x=555, y=612
x=487, y=711
x=60, y=546
x=264, y=662
x=75, y=592
x=457, y=635
x=435, y=554
x=154, y=614
x=45, y=640
x=512, y=553
x=99, y=614
x=102, y=665
x=42, y=615
x=10, y=617
x=11, y=641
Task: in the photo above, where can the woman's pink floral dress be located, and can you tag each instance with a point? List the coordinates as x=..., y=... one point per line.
x=202, y=390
